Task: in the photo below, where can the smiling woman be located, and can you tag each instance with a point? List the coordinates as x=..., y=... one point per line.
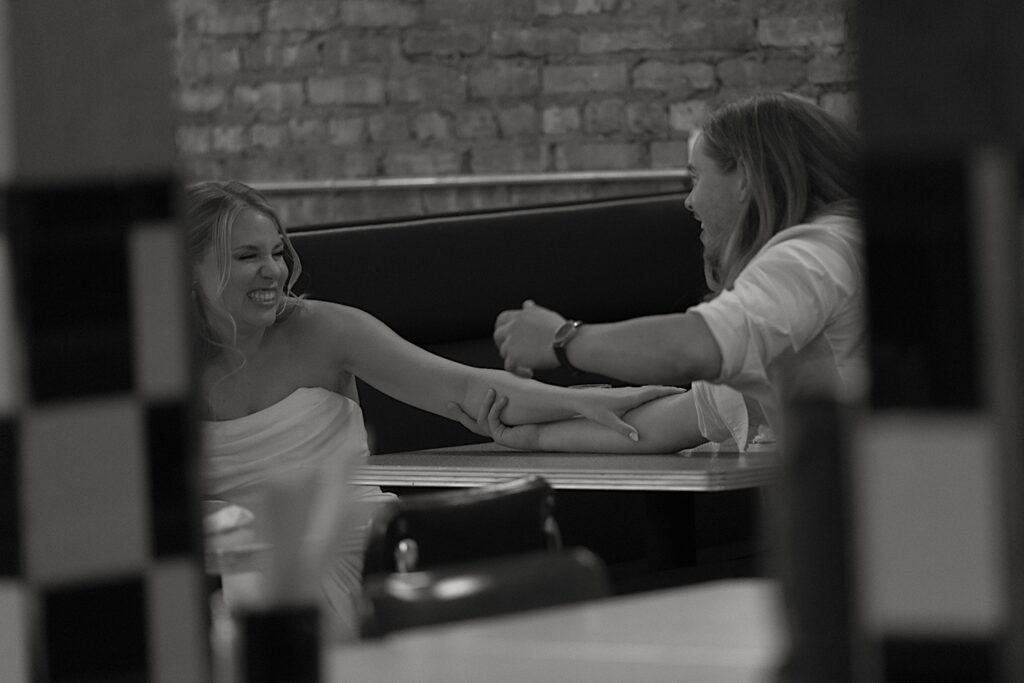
x=278, y=390
x=775, y=189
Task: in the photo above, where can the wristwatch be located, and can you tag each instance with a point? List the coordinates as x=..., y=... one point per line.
x=563, y=335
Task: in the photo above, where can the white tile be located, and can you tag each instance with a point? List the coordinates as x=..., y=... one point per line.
x=159, y=310
x=927, y=514
x=93, y=82
x=178, y=637
x=15, y=643
x=8, y=151
x=84, y=488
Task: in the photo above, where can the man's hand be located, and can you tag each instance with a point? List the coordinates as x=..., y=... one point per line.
x=488, y=423
x=524, y=338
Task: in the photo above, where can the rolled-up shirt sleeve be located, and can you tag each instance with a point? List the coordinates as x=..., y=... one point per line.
x=780, y=302
x=721, y=413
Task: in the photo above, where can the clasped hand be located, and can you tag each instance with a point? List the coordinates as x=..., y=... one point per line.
x=524, y=337
x=602, y=406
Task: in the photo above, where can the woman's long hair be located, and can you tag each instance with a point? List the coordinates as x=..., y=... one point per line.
x=211, y=209
x=800, y=161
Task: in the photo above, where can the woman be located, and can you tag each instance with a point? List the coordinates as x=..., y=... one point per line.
x=774, y=188
x=278, y=372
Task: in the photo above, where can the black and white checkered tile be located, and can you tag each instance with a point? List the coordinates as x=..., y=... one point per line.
x=100, y=573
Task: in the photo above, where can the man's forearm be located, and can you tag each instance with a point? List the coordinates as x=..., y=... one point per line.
x=665, y=349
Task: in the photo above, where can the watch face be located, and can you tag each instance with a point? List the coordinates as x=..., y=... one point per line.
x=565, y=332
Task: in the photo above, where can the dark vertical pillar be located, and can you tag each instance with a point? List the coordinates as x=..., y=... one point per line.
x=100, y=548
x=938, y=118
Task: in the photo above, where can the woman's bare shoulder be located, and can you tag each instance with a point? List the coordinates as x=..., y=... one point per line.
x=307, y=315
x=314, y=323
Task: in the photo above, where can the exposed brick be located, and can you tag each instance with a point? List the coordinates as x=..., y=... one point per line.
x=584, y=156
x=422, y=162
x=510, y=158
x=655, y=75
x=776, y=31
x=477, y=11
x=687, y=116
x=277, y=165
x=378, y=13
x=307, y=132
x=532, y=41
x=658, y=9
x=203, y=62
x=193, y=139
x=272, y=52
x=520, y=120
x=594, y=42
x=606, y=116
x=714, y=33
x=842, y=104
x=830, y=68
x=272, y=96
x=301, y=15
x=647, y=118
x=553, y=8
x=450, y=40
x=428, y=84
x=195, y=168
x=432, y=125
x=202, y=98
x=504, y=79
x=354, y=89
x=237, y=21
x=584, y=78
x=476, y=123
x=388, y=127
x=268, y=135
x=360, y=50
x=561, y=120
x=334, y=163
x=746, y=72
x=346, y=132
x=669, y=154
x=229, y=138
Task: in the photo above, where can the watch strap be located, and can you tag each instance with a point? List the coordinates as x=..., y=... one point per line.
x=563, y=336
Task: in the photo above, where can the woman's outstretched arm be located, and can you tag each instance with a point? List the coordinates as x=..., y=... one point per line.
x=665, y=425
x=370, y=350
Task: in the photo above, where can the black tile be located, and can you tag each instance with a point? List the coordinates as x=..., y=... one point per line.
x=173, y=480
x=96, y=632
x=921, y=284
x=932, y=76
x=72, y=280
x=281, y=645
x=940, y=660
x=10, y=497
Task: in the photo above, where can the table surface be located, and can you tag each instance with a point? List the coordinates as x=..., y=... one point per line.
x=726, y=631
x=699, y=469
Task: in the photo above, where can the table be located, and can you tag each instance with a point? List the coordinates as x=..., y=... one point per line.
x=698, y=469
x=726, y=631
x=671, y=512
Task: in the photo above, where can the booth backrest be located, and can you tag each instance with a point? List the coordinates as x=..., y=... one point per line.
x=440, y=281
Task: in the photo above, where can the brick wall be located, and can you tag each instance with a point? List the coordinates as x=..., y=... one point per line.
x=312, y=89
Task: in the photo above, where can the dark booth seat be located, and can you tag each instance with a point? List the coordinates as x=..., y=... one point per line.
x=440, y=281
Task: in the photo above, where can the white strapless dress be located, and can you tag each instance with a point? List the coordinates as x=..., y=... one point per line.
x=306, y=429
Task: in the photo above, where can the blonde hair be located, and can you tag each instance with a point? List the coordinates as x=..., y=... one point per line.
x=211, y=209
x=800, y=161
